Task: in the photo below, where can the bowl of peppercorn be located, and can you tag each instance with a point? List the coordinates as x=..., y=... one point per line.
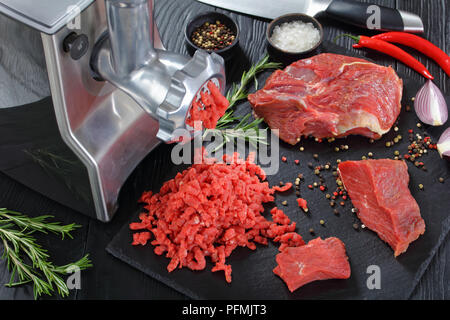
x=212, y=32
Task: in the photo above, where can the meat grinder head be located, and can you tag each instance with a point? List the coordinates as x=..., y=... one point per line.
x=117, y=93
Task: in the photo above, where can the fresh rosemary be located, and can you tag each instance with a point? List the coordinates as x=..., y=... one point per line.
x=239, y=91
x=27, y=261
x=244, y=129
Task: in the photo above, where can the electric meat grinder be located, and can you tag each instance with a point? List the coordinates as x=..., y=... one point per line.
x=116, y=95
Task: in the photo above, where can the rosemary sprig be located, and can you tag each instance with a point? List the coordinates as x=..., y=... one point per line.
x=239, y=91
x=244, y=129
x=20, y=246
x=37, y=223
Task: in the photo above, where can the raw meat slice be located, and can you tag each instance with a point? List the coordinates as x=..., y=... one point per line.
x=317, y=260
x=379, y=190
x=330, y=95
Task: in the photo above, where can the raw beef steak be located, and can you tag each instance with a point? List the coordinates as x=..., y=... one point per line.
x=330, y=95
x=318, y=260
x=379, y=190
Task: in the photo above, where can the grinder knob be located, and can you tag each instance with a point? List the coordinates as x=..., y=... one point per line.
x=76, y=45
x=184, y=89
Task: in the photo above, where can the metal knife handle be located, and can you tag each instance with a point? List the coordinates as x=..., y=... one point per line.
x=371, y=16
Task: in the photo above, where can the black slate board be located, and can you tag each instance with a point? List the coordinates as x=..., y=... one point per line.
x=252, y=270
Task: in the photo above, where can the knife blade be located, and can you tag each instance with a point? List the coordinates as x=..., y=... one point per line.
x=363, y=15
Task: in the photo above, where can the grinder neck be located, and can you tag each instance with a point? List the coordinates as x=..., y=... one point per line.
x=131, y=34
x=163, y=83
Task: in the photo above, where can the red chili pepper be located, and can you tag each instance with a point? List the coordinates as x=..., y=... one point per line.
x=393, y=51
x=420, y=44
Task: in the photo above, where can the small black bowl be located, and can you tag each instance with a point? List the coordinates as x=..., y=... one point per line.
x=212, y=17
x=287, y=56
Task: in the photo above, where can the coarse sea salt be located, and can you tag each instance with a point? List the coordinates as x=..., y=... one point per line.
x=295, y=36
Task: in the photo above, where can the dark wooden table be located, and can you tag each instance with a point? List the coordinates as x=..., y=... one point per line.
x=111, y=278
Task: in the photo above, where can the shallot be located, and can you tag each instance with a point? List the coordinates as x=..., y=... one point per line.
x=430, y=105
x=443, y=146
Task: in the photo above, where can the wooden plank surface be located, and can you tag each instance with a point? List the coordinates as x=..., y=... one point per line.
x=112, y=279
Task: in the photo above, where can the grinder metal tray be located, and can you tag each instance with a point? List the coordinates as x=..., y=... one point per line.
x=47, y=16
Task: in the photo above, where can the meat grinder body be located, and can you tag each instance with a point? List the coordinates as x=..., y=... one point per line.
x=79, y=148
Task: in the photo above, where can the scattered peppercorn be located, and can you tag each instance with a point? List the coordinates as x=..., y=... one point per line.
x=355, y=226
x=441, y=180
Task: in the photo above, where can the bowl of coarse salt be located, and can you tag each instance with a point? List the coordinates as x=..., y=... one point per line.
x=294, y=36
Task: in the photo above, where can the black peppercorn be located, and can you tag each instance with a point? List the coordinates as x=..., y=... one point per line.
x=213, y=36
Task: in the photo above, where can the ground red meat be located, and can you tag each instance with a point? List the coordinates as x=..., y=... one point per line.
x=284, y=188
x=209, y=108
x=209, y=210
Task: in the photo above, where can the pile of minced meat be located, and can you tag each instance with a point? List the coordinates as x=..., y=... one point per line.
x=209, y=210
